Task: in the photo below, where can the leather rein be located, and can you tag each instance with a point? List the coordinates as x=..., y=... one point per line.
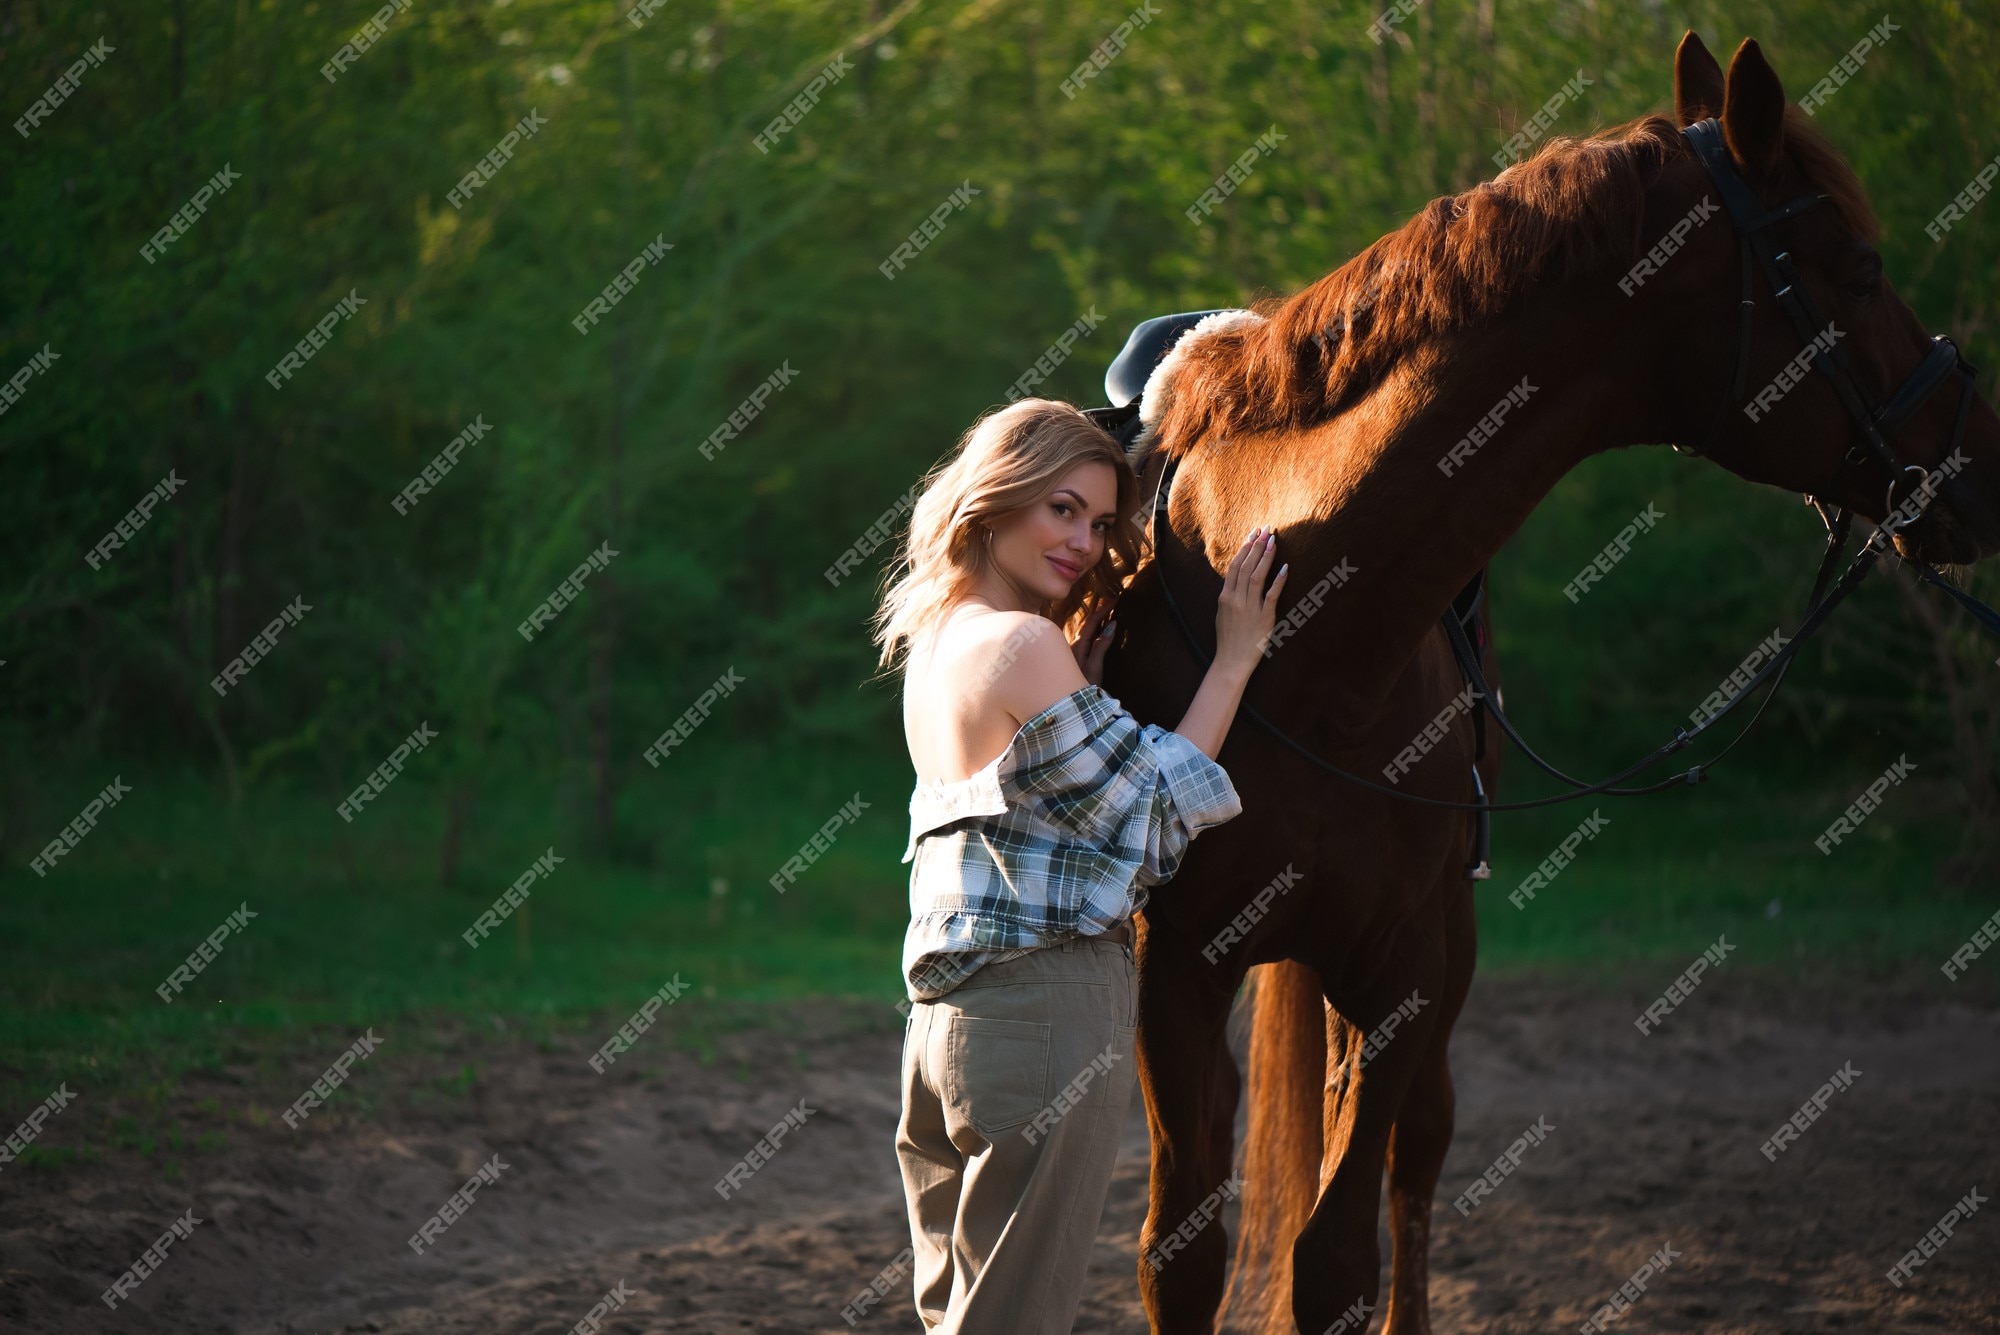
x=1875, y=426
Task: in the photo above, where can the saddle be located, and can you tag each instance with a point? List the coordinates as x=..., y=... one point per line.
x=1125, y=381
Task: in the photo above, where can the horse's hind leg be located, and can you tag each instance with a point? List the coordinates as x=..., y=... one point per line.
x=1191, y=1084
x=1336, y=1261
x=1423, y=1134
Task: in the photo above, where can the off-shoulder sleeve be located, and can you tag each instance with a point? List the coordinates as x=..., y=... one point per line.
x=1137, y=792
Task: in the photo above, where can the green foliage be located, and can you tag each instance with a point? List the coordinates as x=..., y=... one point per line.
x=650, y=135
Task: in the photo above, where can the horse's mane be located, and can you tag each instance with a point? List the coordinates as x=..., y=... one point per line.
x=1572, y=210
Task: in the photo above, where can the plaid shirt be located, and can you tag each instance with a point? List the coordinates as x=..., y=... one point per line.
x=1058, y=837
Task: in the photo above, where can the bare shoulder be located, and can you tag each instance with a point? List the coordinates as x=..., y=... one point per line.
x=986, y=672
x=1031, y=663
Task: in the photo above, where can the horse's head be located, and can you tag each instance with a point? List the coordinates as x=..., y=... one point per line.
x=1791, y=427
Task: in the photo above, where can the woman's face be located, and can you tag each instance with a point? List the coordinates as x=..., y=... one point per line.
x=1046, y=547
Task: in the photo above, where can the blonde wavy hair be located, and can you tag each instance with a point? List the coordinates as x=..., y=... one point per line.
x=1006, y=461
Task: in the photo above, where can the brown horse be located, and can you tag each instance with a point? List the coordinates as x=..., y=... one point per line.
x=1328, y=418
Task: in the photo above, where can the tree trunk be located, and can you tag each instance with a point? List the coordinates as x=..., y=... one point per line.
x=1427, y=104
x=1467, y=170
x=605, y=605
x=459, y=799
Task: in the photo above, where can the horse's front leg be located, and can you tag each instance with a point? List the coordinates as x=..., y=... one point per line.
x=1376, y=1044
x=1423, y=1130
x=1190, y=1083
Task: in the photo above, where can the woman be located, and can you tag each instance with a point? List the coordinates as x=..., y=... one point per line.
x=1018, y=1055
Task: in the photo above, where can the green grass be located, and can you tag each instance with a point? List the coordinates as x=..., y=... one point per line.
x=352, y=929
x=1734, y=857
x=353, y=932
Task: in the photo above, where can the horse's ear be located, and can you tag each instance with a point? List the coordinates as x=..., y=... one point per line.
x=1697, y=82
x=1753, y=112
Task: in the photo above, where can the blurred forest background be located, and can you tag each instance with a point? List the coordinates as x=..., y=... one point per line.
x=651, y=116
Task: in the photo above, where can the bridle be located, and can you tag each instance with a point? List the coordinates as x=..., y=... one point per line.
x=1874, y=426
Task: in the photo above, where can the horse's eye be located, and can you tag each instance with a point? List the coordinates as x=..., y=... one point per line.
x=1865, y=277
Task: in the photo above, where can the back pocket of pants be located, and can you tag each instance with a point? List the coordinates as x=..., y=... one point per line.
x=996, y=1071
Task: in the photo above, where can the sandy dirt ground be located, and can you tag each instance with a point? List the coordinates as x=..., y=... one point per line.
x=609, y=1180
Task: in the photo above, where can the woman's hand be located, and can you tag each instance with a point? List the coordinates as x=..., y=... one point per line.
x=1245, y=613
x=1093, y=639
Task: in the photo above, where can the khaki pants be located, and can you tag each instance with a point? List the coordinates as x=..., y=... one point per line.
x=1015, y=1089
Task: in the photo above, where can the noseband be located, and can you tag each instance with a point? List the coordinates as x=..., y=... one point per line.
x=1874, y=425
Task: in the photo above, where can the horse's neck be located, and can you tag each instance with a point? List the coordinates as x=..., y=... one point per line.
x=1413, y=533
